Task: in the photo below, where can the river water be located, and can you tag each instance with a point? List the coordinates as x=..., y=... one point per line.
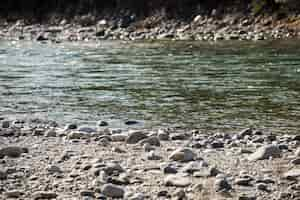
x=209, y=86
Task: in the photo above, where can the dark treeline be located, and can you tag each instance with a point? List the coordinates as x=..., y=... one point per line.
x=40, y=8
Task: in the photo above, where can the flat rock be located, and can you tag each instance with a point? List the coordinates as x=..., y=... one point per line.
x=114, y=191
x=182, y=155
x=44, y=195
x=292, y=174
x=13, y=151
x=265, y=152
x=177, y=181
x=135, y=136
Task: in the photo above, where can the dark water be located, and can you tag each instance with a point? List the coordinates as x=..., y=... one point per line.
x=209, y=86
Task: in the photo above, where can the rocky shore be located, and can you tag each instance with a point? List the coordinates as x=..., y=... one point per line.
x=212, y=27
x=45, y=161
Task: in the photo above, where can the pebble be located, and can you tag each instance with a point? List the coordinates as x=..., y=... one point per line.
x=154, y=141
x=44, y=195
x=177, y=181
x=13, y=151
x=87, y=129
x=102, y=123
x=182, y=155
x=111, y=168
x=292, y=174
x=50, y=133
x=5, y=124
x=265, y=152
x=114, y=191
x=135, y=136
x=71, y=126
x=222, y=185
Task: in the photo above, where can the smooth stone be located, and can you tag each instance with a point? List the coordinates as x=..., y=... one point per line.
x=137, y=196
x=114, y=191
x=131, y=122
x=192, y=167
x=111, y=168
x=246, y=197
x=71, y=126
x=262, y=186
x=162, y=135
x=102, y=123
x=152, y=156
x=13, y=151
x=118, y=137
x=265, y=152
x=89, y=193
x=135, y=136
x=5, y=124
x=177, y=181
x=44, y=195
x=292, y=174
x=154, y=141
x=75, y=135
x=50, y=133
x=3, y=175
x=222, y=185
x=179, y=136
x=170, y=169
x=54, y=169
x=86, y=129
x=182, y=155
x=243, y=181
x=296, y=161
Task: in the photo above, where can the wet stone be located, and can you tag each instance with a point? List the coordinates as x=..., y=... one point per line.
x=135, y=136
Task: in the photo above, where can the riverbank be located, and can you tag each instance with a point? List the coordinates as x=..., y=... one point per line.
x=44, y=161
x=210, y=27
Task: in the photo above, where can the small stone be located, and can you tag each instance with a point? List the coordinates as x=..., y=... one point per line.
x=75, y=135
x=3, y=175
x=192, y=167
x=152, y=156
x=44, y=195
x=50, y=133
x=162, y=135
x=246, y=197
x=243, y=181
x=54, y=169
x=118, y=150
x=265, y=152
x=5, y=124
x=118, y=137
x=177, y=181
x=113, y=191
x=179, y=136
x=183, y=155
x=262, y=187
x=292, y=174
x=222, y=185
x=71, y=126
x=102, y=123
x=154, y=141
x=111, y=168
x=41, y=37
x=217, y=144
x=88, y=193
x=131, y=122
x=137, y=196
x=170, y=169
x=296, y=161
x=86, y=129
x=135, y=136
x=13, y=152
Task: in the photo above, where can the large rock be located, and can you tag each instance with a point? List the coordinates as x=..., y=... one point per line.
x=177, y=181
x=113, y=191
x=265, y=152
x=13, y=152
x=135, y=136
x=182, y=155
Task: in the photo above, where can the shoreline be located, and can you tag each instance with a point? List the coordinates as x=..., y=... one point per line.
x=47, y=161
x=156, y=27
